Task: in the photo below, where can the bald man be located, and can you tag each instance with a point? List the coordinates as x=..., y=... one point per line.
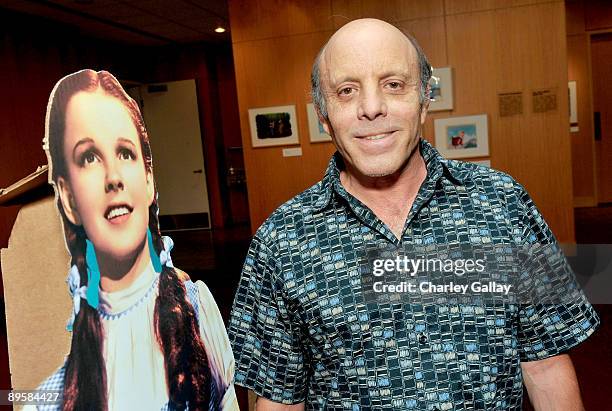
x=303, y=333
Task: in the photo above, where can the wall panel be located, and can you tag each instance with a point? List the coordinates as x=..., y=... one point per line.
x=583, y=147
x=597, y=14
x=574, y=17
x=471, y=6
x=280, y=77
x=344, y=11
x=261, y=19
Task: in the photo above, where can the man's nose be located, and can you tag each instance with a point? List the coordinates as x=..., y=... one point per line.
x=372, y=104
x=114, y=180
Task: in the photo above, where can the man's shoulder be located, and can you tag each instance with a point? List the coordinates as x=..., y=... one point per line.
x=470, y=172
x=483, y=178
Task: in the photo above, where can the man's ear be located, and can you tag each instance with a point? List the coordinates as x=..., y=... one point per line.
x=425, y=105
x=324, y=122
x=68, y=203
x=150, y=188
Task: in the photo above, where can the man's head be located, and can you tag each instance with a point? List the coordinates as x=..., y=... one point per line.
x=370, y=88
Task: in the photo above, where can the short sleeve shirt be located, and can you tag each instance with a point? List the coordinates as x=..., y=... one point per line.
x=302, y=332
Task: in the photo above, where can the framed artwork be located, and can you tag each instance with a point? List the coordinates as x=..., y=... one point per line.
x=441, y=89
x=461, y=137
x=273, y=126
x=315, y=128
x=573, y=106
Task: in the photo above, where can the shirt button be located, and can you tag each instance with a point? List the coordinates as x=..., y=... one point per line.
x=422, y=338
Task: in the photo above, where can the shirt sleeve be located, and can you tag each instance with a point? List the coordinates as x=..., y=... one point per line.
x=264, y=333
x=218, y=349
x=548, y=329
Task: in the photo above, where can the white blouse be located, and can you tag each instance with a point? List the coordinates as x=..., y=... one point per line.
x=134, y=360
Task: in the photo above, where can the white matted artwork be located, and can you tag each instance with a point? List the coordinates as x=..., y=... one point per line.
x=441, y=89
x=461, y=137
x=315, y=128
x=573, y=106
x=273, y=126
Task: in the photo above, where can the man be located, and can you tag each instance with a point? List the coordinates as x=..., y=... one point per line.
x=303, y=334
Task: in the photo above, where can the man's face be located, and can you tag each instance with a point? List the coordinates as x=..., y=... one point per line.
x=370, y=78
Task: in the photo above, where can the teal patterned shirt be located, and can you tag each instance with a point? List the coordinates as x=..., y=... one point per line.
x=302, y=331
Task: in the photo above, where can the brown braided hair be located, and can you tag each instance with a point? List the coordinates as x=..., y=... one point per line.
x=176, y=327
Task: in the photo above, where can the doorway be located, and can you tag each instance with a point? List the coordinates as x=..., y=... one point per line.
x=171, y=114
x=601, y=56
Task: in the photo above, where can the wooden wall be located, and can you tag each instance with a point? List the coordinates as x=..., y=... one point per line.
x=494, y=46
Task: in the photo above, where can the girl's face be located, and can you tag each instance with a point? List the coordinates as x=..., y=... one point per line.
x=107, y=189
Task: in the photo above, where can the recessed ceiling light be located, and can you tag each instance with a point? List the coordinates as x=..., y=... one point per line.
x=220, y=30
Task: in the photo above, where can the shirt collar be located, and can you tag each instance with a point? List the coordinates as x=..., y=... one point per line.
x=437, y=166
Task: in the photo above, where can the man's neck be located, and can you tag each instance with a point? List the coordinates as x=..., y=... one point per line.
x=389, y=197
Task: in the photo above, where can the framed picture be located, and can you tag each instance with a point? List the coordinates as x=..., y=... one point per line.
x=441, y=89
x=273, y=126
x=461, y=137
x=315, y=128
x=573, y=106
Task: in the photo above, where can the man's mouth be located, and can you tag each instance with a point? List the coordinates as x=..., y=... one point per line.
x=117, y=211
x=378, y=136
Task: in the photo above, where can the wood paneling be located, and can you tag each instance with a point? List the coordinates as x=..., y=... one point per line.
x=281, y=76
x=574, y=17
x=534, y=148
x=261, y=19
x=471, y=6
x=493, y=47
x=344, y=11
x=583, y=147
x=426, y=32
x=598, y=14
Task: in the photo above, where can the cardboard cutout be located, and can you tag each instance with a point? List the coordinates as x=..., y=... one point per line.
x=140, y=334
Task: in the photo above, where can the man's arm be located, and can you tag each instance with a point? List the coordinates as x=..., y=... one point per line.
x=552, y=384
x=263, y=404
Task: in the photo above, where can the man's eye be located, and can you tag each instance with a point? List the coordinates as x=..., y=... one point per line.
x=126, y=154
x=394, y=85
x=346, y=91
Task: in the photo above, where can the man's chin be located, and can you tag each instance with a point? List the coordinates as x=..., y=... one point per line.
x=383, y=170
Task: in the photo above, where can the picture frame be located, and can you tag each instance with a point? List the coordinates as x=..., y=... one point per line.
x=462, y=137
x=273, y=126
x=441, y=90
x=315, y=128
x=573, y=106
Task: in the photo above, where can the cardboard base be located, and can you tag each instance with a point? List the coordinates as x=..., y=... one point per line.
x=34, y=270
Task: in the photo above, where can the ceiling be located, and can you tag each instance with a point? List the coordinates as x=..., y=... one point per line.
x=136, y=22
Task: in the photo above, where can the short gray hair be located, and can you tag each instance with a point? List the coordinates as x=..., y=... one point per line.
x=318, y=99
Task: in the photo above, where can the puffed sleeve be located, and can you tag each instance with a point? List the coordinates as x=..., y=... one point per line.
x=265, y=333
x=218, y=349
x=550, y=328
